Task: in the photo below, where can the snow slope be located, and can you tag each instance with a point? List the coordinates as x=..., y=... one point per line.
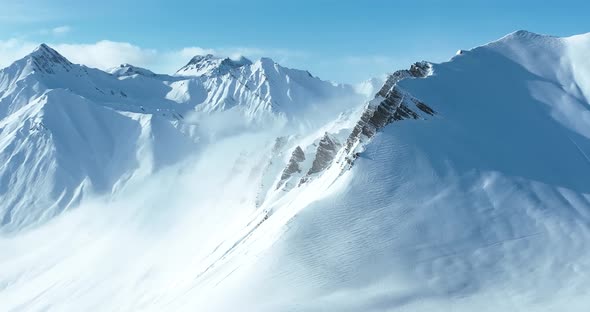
x=461, y=186
x=69, y=131
x=486, y=207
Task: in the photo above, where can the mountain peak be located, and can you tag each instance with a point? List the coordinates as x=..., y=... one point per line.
x=523, y=36
x=43, y=47
x=43, y=50
x=129, y=70
x=46, y=59
x=267, y=60
x=200, y=58
x=211, y=65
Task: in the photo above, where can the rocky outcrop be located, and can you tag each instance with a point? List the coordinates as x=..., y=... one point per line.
x=211, y=65
x=130, y=70
x=425, y=108
x=280, y=142
x=417, y=70
x=390, y=104
x=327, y=149
x=45, y=60
x=293, y=166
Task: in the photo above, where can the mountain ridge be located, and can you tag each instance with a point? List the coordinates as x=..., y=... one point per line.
x=43, y=90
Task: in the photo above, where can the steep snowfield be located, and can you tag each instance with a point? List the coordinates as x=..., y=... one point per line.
x=62, y=140
x=265, y=86
x=486, y=207
x=69, y=132
x=461, y=186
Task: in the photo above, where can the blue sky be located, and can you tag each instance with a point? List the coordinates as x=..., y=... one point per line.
x=345, y=41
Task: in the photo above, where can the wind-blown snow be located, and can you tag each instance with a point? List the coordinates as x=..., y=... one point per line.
x=68, y=131
x=484, y=206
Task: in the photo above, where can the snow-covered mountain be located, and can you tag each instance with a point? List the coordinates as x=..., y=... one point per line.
x=483, y=205
x=261, y=86
x=68, y=131
x=458, y=186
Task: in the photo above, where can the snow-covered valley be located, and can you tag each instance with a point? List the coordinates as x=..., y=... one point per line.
x=246, y=186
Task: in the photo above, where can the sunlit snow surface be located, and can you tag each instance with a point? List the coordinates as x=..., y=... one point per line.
x=485, y=207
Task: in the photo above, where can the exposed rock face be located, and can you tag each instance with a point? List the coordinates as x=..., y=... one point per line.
x=417, y=70
x=279, y=144
x=45, y=59
x=327, y=149
x=210, y=64
x=293, y=167
x=425, y=108
x=390, y=104
x=129, y=70
x=420, y=69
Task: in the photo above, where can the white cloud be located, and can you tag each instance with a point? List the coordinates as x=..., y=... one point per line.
x=192, y=51
x=57, y=31
x=105, y=54
x=102, y=54
x=60, y=30
x=13, y=49
x=280, y=55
